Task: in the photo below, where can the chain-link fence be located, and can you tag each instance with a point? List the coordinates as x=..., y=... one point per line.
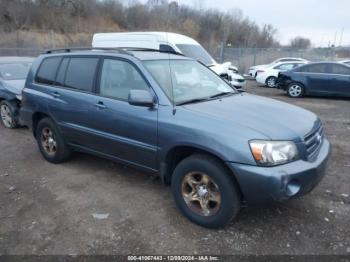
x=20, y=51
x=244, y=58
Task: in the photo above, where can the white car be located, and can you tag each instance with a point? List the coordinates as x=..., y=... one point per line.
x=253, y=70
x=268, y=75
x=347, y=62
x=169, y=42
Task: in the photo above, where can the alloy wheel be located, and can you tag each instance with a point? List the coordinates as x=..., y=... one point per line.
x=295, y=90
x=201, y=194
x=6, y=116
x=271, y=82
x=48, y=141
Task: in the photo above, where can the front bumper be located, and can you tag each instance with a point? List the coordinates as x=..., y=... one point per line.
x=252, y=72
x=260, y=79
x=261, y=185
x=238, y=84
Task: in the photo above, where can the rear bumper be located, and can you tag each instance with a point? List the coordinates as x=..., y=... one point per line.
x=262, y=185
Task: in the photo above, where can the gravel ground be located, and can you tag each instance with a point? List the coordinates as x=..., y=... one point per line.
x=93, y=206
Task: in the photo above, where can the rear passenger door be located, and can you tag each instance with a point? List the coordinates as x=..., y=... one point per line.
x=341, y=76
x=126, y=132
x=318, y=78
x=72, y=99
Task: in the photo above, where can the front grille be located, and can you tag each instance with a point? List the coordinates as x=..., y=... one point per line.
x=313, y=141
x=240, y=80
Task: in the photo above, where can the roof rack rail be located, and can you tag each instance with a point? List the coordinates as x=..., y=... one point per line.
x=122, y=50
x=150, y=50
x=74, y=49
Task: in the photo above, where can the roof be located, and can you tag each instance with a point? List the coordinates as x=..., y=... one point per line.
x=15, y=59
x=155, y=36
x=141, y=55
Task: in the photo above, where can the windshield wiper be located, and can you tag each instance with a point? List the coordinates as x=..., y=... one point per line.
x=196, y=100
x=222, y=94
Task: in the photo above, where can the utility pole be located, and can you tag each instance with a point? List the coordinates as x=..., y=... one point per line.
x=335, y=38
x=341, y=37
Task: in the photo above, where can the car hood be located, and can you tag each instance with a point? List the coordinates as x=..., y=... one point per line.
x=273, y=119
x=224, y=68
x=14, y=86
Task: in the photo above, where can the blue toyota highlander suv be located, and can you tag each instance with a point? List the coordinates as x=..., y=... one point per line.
x=170, y=115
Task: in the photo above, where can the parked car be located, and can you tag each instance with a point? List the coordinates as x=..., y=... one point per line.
x=253, y=70
x=269, y=74
x=171, y=115
x=13, y=72
x=347, y=62
x=324, y=78
x=170, y=42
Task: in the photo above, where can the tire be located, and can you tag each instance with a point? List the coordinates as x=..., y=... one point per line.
x=8, y=114
x=271, y=82
x=50, y=142
x=295, y=90
x=224, y=203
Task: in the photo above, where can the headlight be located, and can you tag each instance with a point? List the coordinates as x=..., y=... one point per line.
x=272, y=153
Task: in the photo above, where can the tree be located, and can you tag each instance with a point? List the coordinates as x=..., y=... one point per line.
x=300, y=42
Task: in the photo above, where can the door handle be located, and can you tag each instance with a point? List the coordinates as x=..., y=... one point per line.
x=56, y=94
x=100, y=105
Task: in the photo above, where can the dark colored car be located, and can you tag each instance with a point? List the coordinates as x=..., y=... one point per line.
x=325, y=78
x=170, y=115
x=13, y=74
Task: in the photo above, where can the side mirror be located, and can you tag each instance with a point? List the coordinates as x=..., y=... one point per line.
x=138, y=97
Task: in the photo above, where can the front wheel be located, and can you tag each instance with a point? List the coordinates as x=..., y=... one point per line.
x=295, y=90
x=8, y=117
x=205, y=191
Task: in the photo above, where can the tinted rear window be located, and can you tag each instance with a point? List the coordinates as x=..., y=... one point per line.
x=47, y=71
x=81, y=73
x=317, y=68
x=340, y=70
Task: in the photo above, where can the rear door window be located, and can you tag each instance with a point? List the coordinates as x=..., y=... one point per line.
x=81, y=73
x=285, y=67
x=317, y=68
x=47, y=71
x=339, y=70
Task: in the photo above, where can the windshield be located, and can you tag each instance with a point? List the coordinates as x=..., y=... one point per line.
x=14, y=71
x=187, y=80
x=196, y=52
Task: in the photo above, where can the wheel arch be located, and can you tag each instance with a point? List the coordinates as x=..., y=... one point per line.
x=36, y=118
x=178, y=153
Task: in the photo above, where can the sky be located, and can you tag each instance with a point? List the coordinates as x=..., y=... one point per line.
x=320, y=20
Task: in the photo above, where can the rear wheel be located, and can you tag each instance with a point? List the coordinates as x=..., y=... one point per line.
x=295, y=90
x=8, y=117
x=271, y=81
x=50, y=142
x=205, y=191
